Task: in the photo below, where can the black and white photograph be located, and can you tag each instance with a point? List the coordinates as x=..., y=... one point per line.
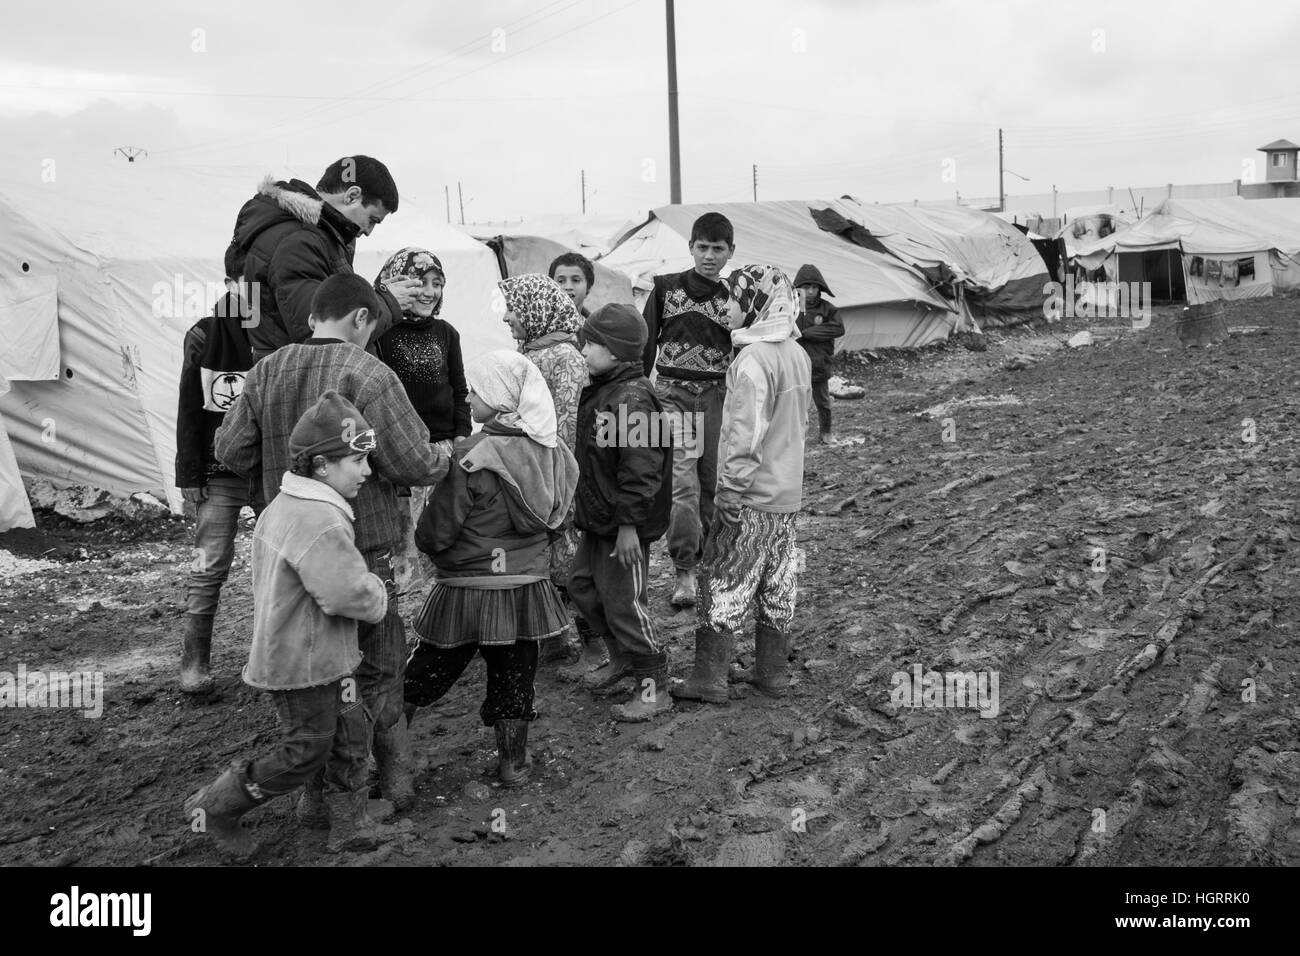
x=651, y=433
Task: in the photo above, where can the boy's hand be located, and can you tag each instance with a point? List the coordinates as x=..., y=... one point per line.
x=446, y=446
x=194, y=495
x=726, y=503
x=404, y=290
x=628, y=546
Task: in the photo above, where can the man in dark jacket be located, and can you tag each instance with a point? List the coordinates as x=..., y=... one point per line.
x=622, y=504
x=215, y=358
x=819, y=327
x=295, y=237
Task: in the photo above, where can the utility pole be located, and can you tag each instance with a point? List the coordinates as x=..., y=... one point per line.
x=756, y=182
x=1002, y=195
x=674, y=148
x=446, y=194
x=461, y=196
x=584, y=192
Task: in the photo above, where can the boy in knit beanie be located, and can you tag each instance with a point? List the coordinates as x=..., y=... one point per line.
x=310, y=587
x=622, y=504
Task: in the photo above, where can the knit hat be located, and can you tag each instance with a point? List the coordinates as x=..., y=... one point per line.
x=619, y=328
x=809, y=274
x=332, y=427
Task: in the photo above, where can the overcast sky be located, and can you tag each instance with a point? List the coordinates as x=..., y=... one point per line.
x=886, y=100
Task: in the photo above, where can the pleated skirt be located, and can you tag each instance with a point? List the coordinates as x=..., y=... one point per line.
x=455, y=616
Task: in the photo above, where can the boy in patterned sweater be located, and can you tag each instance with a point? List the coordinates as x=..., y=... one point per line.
x=686, y=322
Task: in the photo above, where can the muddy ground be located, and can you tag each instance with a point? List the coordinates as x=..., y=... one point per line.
x=1098, y=533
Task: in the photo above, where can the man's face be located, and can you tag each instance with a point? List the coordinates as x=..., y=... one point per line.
x=364, y=215
x=346, y=475
x=572, y=280
x=711, y=256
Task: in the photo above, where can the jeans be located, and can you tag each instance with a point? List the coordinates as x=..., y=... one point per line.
x=323, y=727
x=821, y=390
x=511, y=669
x=383, y=651
x=215, y=526
x=695, y=468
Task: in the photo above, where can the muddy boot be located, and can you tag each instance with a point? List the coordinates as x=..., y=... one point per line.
x=826, y=437
x=392, y=748
x=216, y=809
x=589, y=658
x=770, y=674
x=561, y=649
x=514, y=765
x=310, y=809
x=196, y=648
x=708, y=681
x=616, y=666
x=650, y=695
x=684, y=593
x=350, y=825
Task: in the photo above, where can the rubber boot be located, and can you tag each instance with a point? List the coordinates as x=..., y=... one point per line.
x=350, y=825
x=216, y=809
x=392, y=749
x=311, y=810
x=684, y=593
x=591, y=656
x=196, y=649
x=708, y=681
x=514, y=764
x=771, y=672
x=650, y=695
x=616, y=666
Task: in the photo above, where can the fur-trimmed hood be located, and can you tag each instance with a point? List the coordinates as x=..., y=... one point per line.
x=278, y=202
x=294, y=197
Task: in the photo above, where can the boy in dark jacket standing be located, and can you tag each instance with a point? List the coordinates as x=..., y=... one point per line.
x=819, y=327
x=686, y=323
x=216, y=356
x=622, y=505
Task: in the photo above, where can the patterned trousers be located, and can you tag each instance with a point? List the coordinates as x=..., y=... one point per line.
x=750, y=563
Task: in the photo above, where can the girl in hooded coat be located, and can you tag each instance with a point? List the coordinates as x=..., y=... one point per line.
x=487, y=528
x=750, y=556
x=545, y=322
x=424, y=351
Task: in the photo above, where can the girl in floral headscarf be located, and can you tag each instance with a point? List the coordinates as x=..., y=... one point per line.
x=424, y=351
x=487, y=528
x=750, y=555
x=545, y=322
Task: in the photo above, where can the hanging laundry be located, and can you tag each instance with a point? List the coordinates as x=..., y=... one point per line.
x=1230, y=273
x=1213, y=270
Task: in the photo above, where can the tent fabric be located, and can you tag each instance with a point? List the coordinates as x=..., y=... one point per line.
x=136, y=253
x=519, y=255
x=1001, y=272
x=593, y=236
x=884, y=302
x=29, y=328
x=15, y=510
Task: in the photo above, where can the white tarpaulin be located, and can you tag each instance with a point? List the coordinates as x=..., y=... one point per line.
x=29, y=328
x=136, y=252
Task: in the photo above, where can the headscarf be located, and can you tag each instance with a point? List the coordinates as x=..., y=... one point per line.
x=541, y=305
x=413, y=263
x=768, y=302
x=513, y=386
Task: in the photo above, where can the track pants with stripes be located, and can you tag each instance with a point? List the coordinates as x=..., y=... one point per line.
x=615, y=600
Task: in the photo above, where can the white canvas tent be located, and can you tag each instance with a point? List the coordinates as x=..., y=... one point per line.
x=593, y=236
x=884, y=303
x=133, y=256
x=1202, y=250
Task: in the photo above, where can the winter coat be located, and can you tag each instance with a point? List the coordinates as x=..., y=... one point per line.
x=310, y=587
x=686, y=323
x=619, y=485
x=294, y=241
x=495, y=512
x=819, y=327
x=427, y=358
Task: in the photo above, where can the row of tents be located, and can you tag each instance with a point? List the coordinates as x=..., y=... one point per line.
x=104, y=270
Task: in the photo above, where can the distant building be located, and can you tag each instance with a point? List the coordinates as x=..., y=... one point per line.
x=1280, y=179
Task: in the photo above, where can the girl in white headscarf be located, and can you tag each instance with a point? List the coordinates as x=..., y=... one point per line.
x=487, y=528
